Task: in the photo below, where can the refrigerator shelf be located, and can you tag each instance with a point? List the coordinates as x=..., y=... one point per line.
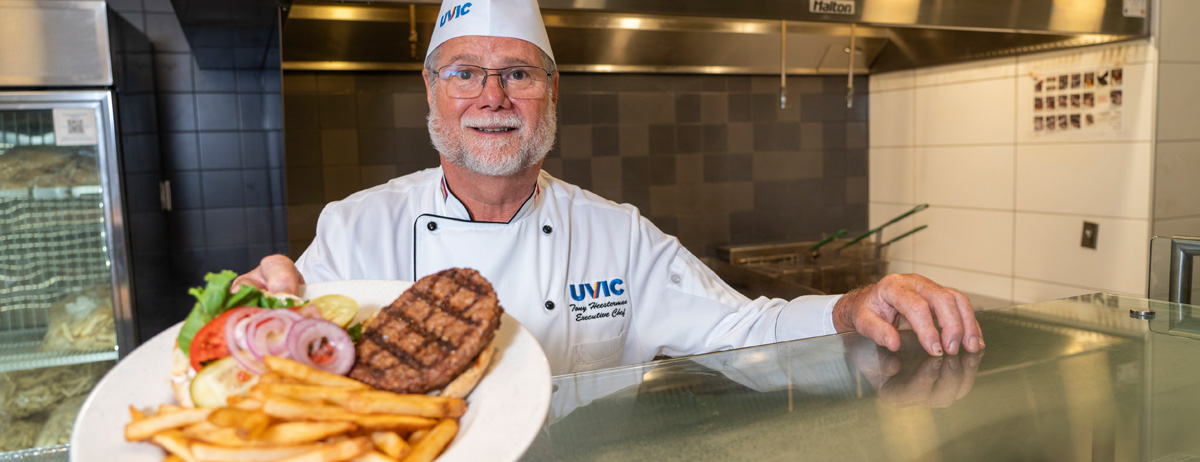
x=57, y=453
x=21, y=350
x=53, y=193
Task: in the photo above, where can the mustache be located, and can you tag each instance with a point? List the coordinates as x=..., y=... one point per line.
x=492, y=121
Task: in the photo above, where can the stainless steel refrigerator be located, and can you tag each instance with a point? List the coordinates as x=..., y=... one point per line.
x=77, y=128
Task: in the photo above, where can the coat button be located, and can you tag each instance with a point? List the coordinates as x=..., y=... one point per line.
x=432, y=226
x=547, y=229
x=549, y=305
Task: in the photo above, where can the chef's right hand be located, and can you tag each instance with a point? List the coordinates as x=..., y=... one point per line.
x=912, y=377
x=275, y=273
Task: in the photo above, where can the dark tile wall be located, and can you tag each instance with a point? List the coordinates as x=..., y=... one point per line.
x=221, y=148
x=712, y=160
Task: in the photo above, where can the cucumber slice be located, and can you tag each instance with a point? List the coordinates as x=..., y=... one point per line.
x=219, y=380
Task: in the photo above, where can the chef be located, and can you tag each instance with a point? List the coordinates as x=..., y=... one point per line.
x=594, y=281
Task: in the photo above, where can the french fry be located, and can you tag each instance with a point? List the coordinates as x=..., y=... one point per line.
x=337, y=452
x=283, y=408
x=174, y=442
x=206, y=432
x=243, y=402
x=293, y=369
x=382, y=402
x=304, y=432
x=415, y=437
x=433, y=443
x=273, y=377
x=249, y=424
x=158, y=423
x=302, y=392
x=227, y=417
x=299, y=414
x=135, y=415
x=373, y=456
x=254, y=425
x=287, y=408
x=205, y=452
x=391, y=444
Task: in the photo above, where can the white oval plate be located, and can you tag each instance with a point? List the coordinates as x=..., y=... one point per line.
x=505, y=413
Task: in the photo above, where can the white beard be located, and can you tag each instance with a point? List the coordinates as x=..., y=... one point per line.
x=496, y=156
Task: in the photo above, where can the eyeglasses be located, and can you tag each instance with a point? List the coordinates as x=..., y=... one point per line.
x=520, y=82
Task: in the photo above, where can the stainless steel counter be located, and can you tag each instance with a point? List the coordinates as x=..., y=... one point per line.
x=1073, y=379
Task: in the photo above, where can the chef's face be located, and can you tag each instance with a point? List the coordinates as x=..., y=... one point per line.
x=491, y=134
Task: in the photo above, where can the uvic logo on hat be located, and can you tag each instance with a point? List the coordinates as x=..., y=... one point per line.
x=458, y=10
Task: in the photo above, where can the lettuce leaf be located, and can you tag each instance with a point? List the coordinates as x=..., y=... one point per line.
x=215, y=299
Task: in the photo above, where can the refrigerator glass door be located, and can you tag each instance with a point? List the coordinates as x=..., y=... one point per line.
x=64, y=293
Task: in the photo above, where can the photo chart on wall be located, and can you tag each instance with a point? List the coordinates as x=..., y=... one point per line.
x=1078, y=101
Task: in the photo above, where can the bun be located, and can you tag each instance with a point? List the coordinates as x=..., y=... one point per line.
x=462, y=385
x=181, y=377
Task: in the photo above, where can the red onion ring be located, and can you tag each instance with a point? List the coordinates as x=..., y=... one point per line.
x=308, y=331
x=266, y=332
x=236, y=343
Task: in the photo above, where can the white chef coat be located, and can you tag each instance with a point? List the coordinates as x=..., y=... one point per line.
x=595, y=282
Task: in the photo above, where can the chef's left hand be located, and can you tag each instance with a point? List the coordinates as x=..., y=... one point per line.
x=910, y=301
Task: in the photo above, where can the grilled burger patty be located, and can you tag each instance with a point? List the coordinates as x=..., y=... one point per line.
x=429, y=335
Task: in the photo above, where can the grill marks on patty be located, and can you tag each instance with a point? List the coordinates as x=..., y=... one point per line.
x=429, y=335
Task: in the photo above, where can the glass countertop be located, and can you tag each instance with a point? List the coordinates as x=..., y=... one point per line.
x=1071, y=379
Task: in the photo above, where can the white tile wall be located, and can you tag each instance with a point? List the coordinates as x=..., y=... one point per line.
x=896, y=107
x=1177, y=188
x=991, y=69
x=1178, y=108
x=1029, y=291
x=1008, y=206
x=1178, y=31
x=890, y=175
x=984, y=290
x=898, y=80
x=1048, y=249
x=1177, y=227
x=882, y=213
x=976, y=112
x=1111, y=180
x=900, y=266
x=979, y=240
x=965, y=176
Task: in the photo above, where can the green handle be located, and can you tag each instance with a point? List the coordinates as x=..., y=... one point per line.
x=830, y=238
x=902, y=216
x=902, y=236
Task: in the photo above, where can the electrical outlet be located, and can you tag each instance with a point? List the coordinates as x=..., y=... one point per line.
x=1090, y=230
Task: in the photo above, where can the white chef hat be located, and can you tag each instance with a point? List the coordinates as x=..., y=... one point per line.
x=519, y=19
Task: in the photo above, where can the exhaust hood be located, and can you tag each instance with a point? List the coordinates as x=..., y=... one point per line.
x=724, y=37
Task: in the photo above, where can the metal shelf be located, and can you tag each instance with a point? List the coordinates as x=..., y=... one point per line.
x=21, y=350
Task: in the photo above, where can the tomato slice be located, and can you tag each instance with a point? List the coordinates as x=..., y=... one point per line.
x=209, y=343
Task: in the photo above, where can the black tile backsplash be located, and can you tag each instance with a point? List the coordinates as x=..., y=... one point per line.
x=186, y=192
x=220, y=145
x=716, y=156
x=606, y=140
x=604, y=108
x=222, y=188
x=220, y=150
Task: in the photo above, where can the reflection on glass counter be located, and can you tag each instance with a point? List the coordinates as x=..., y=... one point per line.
x=1074, y=379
